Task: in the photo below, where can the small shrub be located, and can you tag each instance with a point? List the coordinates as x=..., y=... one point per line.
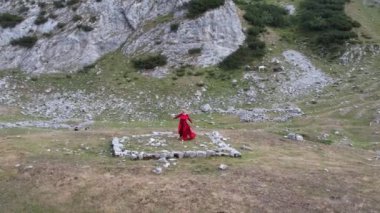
x=174, y=27
x=59, y=4
x=149, y=61
x=41, y=19
x=47, y=35
x=26, y=41
x=61, y=25
x=197, y=7
x=77, y=18
x=8, y=20
x=93, y=19
x=41, y=4
x=256, y=45
x=72, y=2
x=86, y=69
x=34, y=78
x=200, y=84
x=23, y=9
x=255, y=31
x=90, y=66
x=52, y=16
x=194, y=51
x=85, y=28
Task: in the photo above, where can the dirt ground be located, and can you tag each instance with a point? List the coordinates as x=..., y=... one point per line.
x=277, y=176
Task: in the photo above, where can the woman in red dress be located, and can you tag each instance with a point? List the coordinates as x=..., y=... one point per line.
x=184, y=130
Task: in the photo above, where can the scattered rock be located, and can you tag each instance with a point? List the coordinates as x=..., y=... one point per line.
x=157, y=170
x=245, y=147
x=295, y=137
x=290, y=8
x=206, y=108
x=29, y=167
x=222, y=167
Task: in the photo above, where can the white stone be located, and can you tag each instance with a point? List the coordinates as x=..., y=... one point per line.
x=157, y=170
x=223, y=167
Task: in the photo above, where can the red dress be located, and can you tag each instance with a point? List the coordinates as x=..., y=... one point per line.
x=184, y=129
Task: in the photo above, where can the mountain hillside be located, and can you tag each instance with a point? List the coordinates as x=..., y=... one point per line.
x=284, y=97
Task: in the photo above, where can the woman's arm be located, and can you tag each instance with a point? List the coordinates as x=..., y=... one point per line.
x=190, y=119
x=175, y=117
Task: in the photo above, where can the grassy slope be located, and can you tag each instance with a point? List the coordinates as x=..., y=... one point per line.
x=368, y=17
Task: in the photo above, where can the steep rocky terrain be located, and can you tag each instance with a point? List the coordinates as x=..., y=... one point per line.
x=73, y=36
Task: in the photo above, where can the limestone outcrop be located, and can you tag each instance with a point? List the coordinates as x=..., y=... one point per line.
x=77, y=35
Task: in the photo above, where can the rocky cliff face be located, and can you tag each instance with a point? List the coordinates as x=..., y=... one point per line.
x=216, y=34
x=135, y=26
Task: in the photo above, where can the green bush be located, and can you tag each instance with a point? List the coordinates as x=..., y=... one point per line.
x=197, y=7
x=26, y=41
x=259, y=15
x=326, y=24
x=8, y=20
x=262, y=14
x=194, y=51
x=149, y=61
x=255, y=31
x=237, y=59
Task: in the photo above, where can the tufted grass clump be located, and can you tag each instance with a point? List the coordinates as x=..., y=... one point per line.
x=26, y=41
x=198, y=7
x=8, y=20
x=149, y=61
